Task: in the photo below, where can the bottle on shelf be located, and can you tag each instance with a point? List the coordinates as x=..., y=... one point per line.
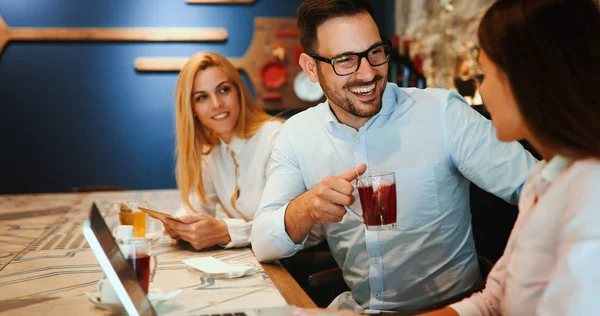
x=416, y=77
x=419, y=78
x=404, y=70
x=399, y=64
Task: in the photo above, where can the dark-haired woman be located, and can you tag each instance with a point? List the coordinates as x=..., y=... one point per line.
x=542, y=77
x=541, y=84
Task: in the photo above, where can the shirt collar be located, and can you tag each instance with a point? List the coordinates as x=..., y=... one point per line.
x=551, y=169
x=392, y=97
x=236, y=145
x=546, y=174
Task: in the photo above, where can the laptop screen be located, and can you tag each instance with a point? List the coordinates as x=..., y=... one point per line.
x=113, y=262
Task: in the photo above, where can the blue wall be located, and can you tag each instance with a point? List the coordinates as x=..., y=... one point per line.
x=76, y=114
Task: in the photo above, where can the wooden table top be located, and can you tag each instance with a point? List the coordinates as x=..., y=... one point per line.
x=46, y=266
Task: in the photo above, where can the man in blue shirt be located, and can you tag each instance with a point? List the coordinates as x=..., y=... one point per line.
x=433, y=141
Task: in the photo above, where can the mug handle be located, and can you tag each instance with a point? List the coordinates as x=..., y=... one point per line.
x=99, y=286
x=351, y=210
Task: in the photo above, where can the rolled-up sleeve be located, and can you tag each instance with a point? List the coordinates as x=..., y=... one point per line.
x=497, y=167
x=270, y=240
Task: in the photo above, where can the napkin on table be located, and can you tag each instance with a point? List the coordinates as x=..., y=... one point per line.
x=213, y=265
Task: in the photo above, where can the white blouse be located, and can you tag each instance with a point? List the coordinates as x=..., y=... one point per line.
x=551, y=264
x=252, y=156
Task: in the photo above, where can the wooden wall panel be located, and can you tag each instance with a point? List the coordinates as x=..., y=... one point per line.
x=267, y=31
x=150, y=34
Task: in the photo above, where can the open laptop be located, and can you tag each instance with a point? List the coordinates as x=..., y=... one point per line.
x=122, y=277
x=118, y=271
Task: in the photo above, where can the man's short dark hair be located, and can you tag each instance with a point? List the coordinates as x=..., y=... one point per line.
x=312, y=13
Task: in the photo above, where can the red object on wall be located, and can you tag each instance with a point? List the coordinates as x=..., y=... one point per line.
x=272, y=96
x=273, y=74
x=286, y=33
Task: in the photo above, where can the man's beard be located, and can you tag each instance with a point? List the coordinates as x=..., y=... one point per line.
x=345, y=103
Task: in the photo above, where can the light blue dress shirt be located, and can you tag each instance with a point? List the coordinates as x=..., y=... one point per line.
x=436, y=144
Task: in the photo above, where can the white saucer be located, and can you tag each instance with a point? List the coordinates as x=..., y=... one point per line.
x=94, y=298
x=156, y=296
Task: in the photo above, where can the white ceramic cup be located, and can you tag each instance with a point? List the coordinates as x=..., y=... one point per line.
x=107, y=293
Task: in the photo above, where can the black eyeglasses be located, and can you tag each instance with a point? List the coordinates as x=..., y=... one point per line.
x=348, y=64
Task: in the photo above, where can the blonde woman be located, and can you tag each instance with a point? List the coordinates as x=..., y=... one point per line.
x=224, y=142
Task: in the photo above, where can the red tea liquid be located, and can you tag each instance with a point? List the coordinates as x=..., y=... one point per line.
x=379, y=207
x=141, y=266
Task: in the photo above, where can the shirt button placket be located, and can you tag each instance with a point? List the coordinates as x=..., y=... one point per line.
x=360, y=150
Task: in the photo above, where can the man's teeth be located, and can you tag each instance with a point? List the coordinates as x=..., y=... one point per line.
x=364, y=90
x=220, y=116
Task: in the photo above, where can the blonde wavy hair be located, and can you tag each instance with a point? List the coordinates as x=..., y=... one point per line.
x=195, y=140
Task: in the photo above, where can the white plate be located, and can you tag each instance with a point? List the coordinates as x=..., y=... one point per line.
x=94, y=298
x=250, y=268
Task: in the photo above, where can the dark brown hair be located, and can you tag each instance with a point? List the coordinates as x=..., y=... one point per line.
x=312, y=13
x=550, y=50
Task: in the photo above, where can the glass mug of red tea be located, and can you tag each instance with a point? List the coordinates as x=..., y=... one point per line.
x=377, y=194
x=137, y=252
